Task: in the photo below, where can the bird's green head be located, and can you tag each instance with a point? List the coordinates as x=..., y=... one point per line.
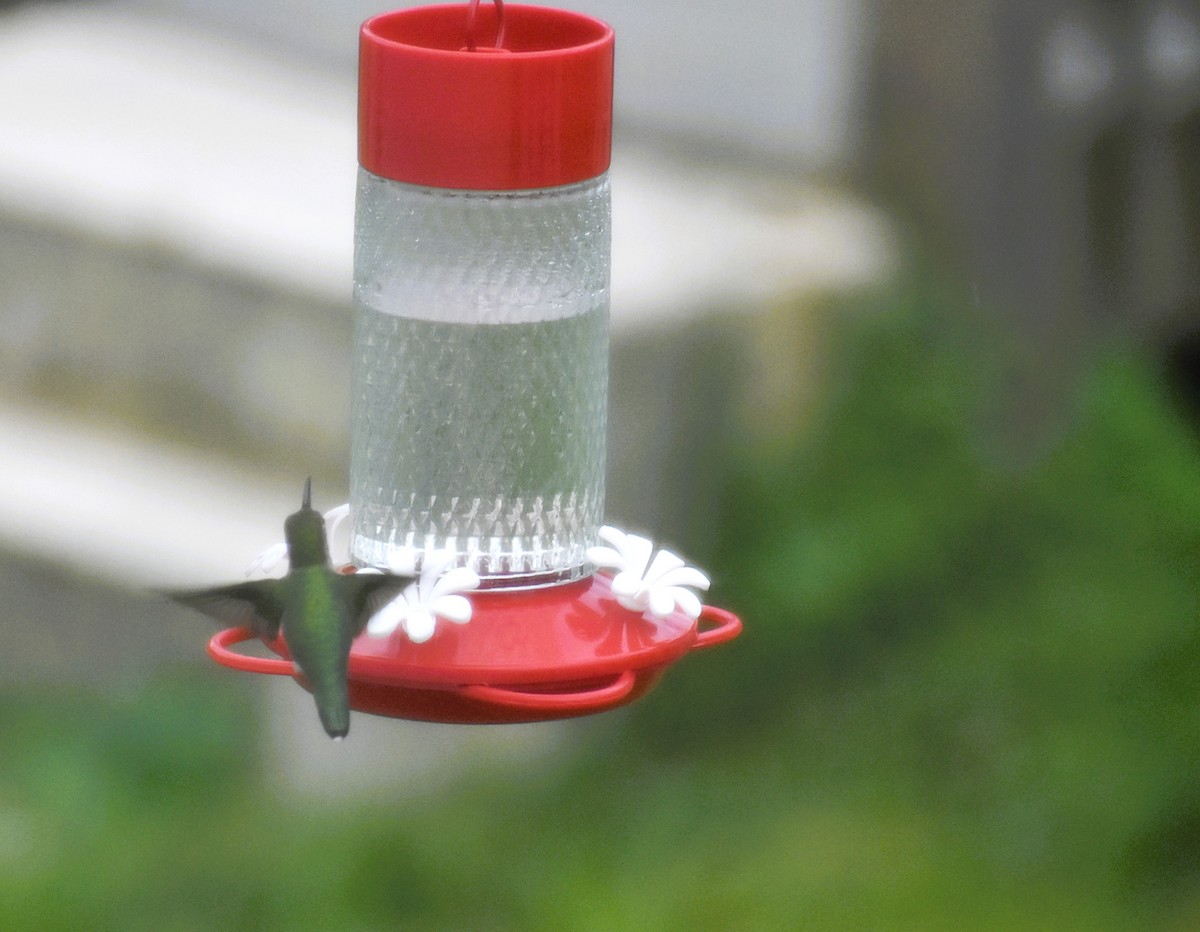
x=305, y=533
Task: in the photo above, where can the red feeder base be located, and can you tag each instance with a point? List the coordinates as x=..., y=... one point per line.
x=525, y=656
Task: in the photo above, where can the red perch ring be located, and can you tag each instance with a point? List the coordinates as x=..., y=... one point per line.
x=525, y=656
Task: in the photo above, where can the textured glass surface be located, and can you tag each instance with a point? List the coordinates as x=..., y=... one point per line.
x=480, y=375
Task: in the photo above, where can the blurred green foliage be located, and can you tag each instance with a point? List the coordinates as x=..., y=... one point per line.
x=966, y=697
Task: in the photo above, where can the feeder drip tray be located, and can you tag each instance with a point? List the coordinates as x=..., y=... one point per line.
x=526, y=656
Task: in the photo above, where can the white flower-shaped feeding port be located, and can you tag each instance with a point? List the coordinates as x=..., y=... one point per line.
x=645, y=581
x=435, y=595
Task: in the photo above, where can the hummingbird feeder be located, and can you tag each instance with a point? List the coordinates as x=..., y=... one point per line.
x=480, y=382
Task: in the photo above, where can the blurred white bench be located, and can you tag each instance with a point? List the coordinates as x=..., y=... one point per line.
x=148, y=139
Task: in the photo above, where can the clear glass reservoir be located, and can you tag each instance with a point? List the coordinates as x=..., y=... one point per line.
x=480, y=377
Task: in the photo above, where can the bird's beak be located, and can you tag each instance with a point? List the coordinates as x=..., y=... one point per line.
x=307, y=503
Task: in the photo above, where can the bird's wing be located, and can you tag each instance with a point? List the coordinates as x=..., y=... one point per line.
x=257, y=605
x=367, y=593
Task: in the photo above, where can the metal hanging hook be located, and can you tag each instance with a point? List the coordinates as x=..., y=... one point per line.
x=472, y=8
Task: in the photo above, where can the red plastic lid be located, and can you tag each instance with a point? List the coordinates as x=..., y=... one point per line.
x=535, y=113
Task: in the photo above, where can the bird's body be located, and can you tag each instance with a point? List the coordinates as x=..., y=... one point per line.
x=319, y=611
x=319, y=630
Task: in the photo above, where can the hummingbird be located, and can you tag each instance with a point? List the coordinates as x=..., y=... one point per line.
x=319, y=610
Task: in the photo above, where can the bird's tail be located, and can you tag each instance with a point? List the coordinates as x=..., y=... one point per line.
x=333, y=707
